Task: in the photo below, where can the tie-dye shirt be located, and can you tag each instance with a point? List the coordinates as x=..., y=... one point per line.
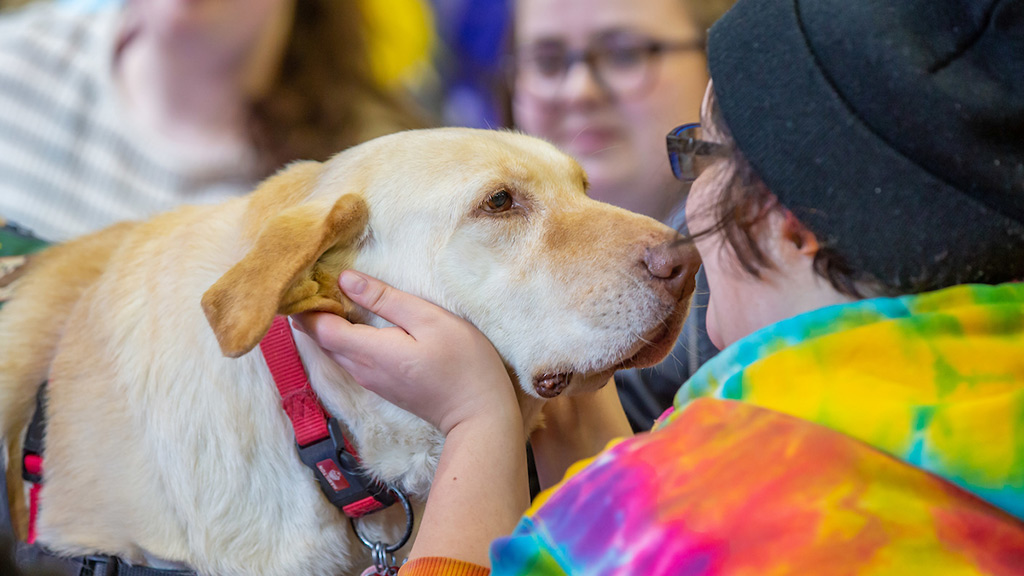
x=884, y=436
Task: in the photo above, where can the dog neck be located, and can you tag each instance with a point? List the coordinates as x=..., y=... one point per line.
x=395, y=447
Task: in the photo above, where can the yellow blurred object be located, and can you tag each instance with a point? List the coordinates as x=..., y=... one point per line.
x=400, y=39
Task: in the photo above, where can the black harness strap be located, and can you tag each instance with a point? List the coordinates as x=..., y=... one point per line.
x=114, y=566
x=30, y=555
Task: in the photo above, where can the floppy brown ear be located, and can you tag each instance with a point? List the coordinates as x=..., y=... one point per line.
x=283, y=272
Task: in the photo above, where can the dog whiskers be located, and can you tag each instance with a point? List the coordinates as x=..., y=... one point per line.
x=581, y=130
x=612, y=147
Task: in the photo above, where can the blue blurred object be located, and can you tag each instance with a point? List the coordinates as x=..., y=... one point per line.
x=473, y=34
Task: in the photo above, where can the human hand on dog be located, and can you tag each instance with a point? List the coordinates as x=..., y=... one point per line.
x=441, y=368
x=431, y=363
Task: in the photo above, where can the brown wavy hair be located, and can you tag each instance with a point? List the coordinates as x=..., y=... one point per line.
x=324, y=98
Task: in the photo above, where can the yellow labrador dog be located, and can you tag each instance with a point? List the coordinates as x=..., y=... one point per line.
x=166, y=441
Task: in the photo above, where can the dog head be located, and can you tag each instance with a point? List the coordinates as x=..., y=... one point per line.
x=494, y=226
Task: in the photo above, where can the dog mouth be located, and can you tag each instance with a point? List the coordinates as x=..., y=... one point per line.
x=551, y=384
x=646, y=352
x=650, y=348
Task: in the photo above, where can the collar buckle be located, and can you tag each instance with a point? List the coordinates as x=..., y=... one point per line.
x=341, y=480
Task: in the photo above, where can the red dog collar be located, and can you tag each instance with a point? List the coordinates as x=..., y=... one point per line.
x=321, y=445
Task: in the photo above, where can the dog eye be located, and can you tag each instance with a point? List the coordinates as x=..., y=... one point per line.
x=500, y=201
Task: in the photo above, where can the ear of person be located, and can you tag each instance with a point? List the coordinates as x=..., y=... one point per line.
x=798, y=236
x=787, y=243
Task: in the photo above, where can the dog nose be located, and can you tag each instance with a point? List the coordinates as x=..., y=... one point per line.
x=673, y=264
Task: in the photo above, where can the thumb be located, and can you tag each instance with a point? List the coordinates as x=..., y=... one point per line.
x=399, y=308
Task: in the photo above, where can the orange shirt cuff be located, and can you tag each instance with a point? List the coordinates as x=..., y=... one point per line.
x=439, y=566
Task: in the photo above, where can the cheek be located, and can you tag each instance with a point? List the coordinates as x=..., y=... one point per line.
x=682, y=82
x=646, y=133
x=737, y=301
x=714, y=332
x=672, y=99
x=716, y=258
x=723, y=317
x=533, y=116
x=698, y=213
x=710, y=261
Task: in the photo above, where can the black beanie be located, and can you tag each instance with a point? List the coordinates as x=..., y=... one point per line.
x=893, y=129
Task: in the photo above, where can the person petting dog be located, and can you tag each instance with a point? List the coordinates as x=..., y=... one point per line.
x=858, y=202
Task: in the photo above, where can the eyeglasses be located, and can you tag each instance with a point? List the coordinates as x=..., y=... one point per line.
x=620, y=64
x=688, y=154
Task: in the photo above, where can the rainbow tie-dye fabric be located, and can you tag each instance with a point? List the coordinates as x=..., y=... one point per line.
x=880, y=437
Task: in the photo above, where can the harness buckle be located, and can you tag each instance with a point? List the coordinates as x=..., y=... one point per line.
x=100, y=565
x=341, y=480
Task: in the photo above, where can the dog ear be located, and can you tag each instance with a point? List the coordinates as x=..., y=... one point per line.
x=292, y=267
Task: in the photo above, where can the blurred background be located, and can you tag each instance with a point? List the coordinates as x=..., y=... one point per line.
x=117, y=109
x=448, y=52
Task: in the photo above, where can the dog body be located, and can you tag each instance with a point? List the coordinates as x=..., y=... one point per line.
x=166, y=440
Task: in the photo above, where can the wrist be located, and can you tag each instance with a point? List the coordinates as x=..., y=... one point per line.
x=497, y=418
x=498, y=407
x=479, y=490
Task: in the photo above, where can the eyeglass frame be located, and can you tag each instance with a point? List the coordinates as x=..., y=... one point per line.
x=682, y=152
x=653, y=48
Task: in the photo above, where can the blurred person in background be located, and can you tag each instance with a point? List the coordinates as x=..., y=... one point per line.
x=133, y=108
x=601, y=79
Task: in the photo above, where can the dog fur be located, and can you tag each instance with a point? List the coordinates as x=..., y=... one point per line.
x=166, y=442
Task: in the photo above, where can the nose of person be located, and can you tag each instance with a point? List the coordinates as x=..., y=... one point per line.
x=673, y=265
x=581, y=84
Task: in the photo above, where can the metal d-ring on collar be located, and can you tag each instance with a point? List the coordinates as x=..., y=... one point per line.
x=381, y=550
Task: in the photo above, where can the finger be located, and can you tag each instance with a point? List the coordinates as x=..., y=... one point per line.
x=362, y=351
x=340, y=336
x=398, y=307
x=321, y=327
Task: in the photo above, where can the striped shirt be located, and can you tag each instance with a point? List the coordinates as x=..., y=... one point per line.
x=71, y=160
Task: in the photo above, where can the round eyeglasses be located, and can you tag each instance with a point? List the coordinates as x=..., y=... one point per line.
x=689, y=154
x=621, y=64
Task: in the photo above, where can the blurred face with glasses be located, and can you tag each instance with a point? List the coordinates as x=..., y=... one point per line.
x=601, y=79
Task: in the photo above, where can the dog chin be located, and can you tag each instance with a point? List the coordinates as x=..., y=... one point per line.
x=655, y=348
x=651, y=349
x=553, y=384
